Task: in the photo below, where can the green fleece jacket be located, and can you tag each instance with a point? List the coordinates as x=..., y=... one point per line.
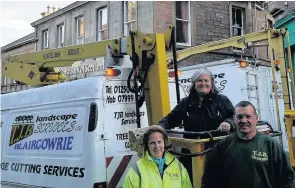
x=257, y=163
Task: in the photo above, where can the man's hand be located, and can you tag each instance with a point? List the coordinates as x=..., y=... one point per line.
x=224, y=127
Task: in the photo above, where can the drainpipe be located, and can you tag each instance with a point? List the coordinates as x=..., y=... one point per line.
x=255, y=29
x=36, y=35
x=253, y=13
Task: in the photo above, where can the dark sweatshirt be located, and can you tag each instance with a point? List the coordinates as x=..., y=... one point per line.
x=257, y=163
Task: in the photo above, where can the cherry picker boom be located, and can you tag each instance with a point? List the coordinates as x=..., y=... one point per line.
x=149, y=66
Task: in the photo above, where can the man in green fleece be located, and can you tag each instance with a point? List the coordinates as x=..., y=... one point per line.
x=247, y=158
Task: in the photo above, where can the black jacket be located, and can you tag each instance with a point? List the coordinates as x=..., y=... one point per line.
x=215, y=109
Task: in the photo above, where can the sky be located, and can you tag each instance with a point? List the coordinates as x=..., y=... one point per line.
x=16, y=17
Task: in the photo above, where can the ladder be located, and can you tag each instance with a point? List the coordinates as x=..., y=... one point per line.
x=252, y=88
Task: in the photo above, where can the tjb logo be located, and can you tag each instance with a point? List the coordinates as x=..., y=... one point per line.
x=173, y=176
x=21, y=129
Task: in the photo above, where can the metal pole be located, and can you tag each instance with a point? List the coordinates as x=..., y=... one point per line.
x=175, y=63
x=291, y=74
x=271, y=57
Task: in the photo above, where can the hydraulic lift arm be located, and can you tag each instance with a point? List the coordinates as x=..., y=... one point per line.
x=243, y=41
x=37, y=68
x=146, y=51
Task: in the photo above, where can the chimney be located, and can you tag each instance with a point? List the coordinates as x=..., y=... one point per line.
x=48, y=9
x=43, y=14
x=53, y=9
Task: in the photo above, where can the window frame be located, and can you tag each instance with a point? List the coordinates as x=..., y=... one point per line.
x=45, y=43
x=189, y=34
x=243, y=28
x=59, y=42
x=242, y=18
x=126, y=22
x=78, y=38
x=99, y=23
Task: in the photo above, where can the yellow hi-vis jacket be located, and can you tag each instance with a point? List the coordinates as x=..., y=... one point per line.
x=145, y=174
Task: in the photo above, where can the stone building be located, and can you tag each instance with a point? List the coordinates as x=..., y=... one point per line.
x=196, y=22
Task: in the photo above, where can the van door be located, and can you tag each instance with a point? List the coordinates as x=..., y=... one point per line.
x=4, y=122
x=281, y=106
x=266, y=104
x=45, y=143
x=120, y=117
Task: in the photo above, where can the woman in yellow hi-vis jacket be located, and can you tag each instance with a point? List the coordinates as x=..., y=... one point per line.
x=158, y=168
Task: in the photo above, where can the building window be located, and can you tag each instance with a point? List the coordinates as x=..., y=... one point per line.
x=237, y=21
x=80, y=30
x=129, y=16
x=183, y=23
x=102, y=24
x=45, y=39
x=269, y=23
x=60, y=35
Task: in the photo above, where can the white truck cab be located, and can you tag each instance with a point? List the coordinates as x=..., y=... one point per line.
x=73, y=134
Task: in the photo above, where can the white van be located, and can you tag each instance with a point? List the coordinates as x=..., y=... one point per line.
x=73, y=134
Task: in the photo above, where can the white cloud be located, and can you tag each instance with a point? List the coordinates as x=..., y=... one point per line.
x=8, y=14
x=20, y=25
x=2, y=44
x=16, y=17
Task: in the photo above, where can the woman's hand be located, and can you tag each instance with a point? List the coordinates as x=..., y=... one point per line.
x=224, y=127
